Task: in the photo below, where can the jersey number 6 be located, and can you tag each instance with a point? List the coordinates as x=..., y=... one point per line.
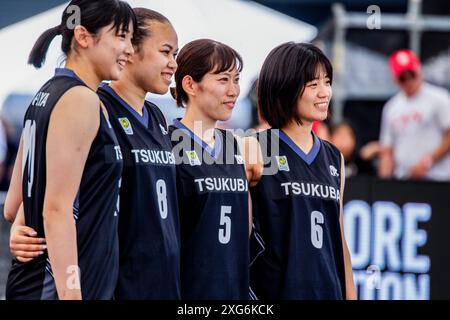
x=317, y=220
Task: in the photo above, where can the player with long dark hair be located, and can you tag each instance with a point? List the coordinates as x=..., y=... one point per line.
x=69, y=163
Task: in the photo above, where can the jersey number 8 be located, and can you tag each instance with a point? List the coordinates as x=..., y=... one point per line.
x=161, y=192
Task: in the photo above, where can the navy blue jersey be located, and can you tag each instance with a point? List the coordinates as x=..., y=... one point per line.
x=296, y=209
x=148, y=225
x=95, y=207
x=213, y=202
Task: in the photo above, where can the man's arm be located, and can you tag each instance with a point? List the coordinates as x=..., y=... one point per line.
x=386, y=166
x=420, y=169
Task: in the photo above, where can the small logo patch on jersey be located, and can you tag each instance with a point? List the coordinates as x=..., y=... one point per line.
x=163, y=130
x=282, y=163
x=126, y=125
x=333, y=171
x=193, y=158
x=239, y=159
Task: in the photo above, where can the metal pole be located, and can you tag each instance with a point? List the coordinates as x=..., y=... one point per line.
x=415, y=30
x=338, y=62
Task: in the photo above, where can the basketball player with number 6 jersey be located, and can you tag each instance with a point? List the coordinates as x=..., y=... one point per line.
x=297, y=201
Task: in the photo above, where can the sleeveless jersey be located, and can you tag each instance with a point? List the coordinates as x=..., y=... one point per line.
x=296, y=209
x=95, y=208
x=213, y=202
x=148, y=225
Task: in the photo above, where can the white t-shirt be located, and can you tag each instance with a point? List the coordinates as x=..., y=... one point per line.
x=414, y=127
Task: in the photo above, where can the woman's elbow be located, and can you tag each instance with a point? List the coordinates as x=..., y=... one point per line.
x=9, y=214
x=52, y=213
x=10, y=208
x=12, y=204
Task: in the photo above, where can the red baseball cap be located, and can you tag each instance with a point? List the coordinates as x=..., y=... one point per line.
x=403, y=60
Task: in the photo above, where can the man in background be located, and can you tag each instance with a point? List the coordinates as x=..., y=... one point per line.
x=415, y=125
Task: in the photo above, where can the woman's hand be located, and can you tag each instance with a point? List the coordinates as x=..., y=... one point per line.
x=24, y=244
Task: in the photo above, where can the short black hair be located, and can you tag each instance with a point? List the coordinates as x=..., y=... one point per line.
x=283, y=77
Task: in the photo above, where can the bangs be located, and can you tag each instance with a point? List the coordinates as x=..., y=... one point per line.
x=314, y=66
x=123, y=17
x=225, y=58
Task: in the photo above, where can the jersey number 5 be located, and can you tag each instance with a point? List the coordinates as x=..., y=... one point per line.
x=225, y=225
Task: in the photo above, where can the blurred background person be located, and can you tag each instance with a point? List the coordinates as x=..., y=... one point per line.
x=256, y=121
x=415, y=125
x=321, y=129
x=343, y=137
x=368, y=158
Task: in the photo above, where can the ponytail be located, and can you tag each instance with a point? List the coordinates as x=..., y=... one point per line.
x=96, y=15
x=39, y=51
x=174, y=94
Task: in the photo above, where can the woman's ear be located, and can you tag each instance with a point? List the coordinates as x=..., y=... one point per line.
x=189, y=85
x=82, y=36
